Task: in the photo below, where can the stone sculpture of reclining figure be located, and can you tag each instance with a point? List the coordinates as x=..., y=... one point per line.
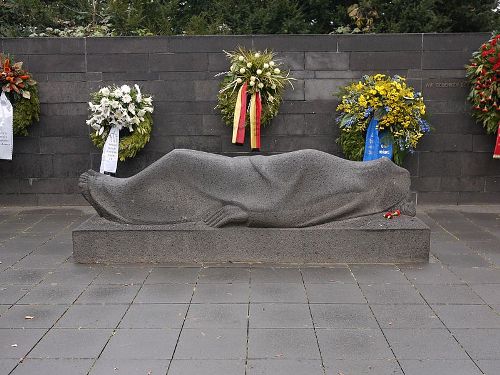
x=295, y=189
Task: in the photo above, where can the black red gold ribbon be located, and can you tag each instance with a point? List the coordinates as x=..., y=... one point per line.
x=240, y=117
x=496, y=153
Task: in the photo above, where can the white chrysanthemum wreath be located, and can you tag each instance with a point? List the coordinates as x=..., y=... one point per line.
x=123, y=107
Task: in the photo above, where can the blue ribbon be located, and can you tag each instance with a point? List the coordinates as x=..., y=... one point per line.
x=377, y=145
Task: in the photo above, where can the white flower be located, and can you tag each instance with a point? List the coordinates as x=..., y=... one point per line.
x=125, y=89
x=104, y=91
x=260, y=85
x=242, y=70
x=270, y=98
x=138, y=98
x=148, y=100
x=252, y=83
x=271, y=63
x=249, y=65
x=277, y=71
x=239, y=80
x=257, y=55
x=101, y=130
x=273, y=86
x=127, y=98
x=104, y=101
x=231, y=68
x=252, y=78
x=266, y=65
x=131, y=108
x=141, y=112
x=241, y=58
x=117, y=93
x=268, y=74
x=259, y=71
x=148, y=109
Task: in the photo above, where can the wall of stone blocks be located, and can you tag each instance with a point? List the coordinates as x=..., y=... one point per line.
x=452, y=165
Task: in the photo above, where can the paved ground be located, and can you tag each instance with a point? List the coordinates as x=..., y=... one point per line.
x=57, y=317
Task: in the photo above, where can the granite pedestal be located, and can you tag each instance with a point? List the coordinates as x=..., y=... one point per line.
x=370, y=239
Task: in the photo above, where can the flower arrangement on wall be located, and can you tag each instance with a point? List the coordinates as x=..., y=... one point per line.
x=380, y=116
x=114, y=109
x=261, y=77
x=22, y=91
x=483, y=73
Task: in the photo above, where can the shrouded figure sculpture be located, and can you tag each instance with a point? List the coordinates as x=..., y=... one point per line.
x=291, y=190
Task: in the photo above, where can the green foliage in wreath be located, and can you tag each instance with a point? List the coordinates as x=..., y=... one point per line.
x=262, y=73
x=125, y=108
x=131, y=143
x=26, y=112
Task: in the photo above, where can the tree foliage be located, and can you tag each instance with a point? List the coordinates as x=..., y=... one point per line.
x=173, y=17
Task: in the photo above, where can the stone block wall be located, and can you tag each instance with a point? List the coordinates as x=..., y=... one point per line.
x=452, y=165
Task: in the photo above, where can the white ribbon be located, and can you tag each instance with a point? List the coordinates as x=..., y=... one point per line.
x=6, y=128
x=109, y=159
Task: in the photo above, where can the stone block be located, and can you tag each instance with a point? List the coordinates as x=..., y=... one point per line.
x=380, y=42
x=447, y=106
x=69, y=165
x=437, y=197
x=73, y=76
x=178, y=62
x=18, y=200
x=446, y=142
x=127, y=77
x=492, y=184
x=30, y=165
x=57, y=63
x=473, y=197
x=118, y=62
x=170, y=91
x=327, y=61
x=49, y=185
x=445, y=60
x=462, y=183
x=426, y=183
x=206, y=90
x=483, y=142
x=293, y=43
x=292, y=143
x=202, y=143
x=454, y=123
x=43, y=46
x=479, y=164
x=365, y=240
x=66, y=92
x=10, y=186
x=439, y=164
x=296, y=92
x=208, y=43
x=309, y=106
x=385, y=60
x=323, y=89
x=63, y=126
x=286, y=124
x=291, y=60
x=445, y=89
x=178, y=124
x=454, y=42
x=66, y=145
x=61, y=200
x=127, y=45
x=26, y=145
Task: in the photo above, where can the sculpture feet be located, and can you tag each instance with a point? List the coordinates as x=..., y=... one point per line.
x=226, y=215
x=86, y=182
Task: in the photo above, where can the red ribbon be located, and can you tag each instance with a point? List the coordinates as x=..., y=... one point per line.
x=258, y=114
x=240, y=135
x=496, y=153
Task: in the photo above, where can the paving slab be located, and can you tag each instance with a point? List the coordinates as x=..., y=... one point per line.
x=478, y=275
x=480, y=343
x=276, y=292
x=343, y=316
x=355, y=344
x=362, y=367
x=282, y=344
x=10, y=294
x=212, y=343
x=52, y=293
x=378, y=273
x=165, y=293
x=108, y=294
x=391, y=294
x=92, y=316
x=6, y=365
x=228, y=275
x=468, y=316
x=129, y=367
x=490, y=293
x=424, y=344
x=154, y=316
x=280, y=315
x=441, y=367
x=141, y=344
x=207, y=367
x=17, y=342
x=25, y=276
x=489, y=366
x=217, y=316
x=222, y=293
x=182, y=275
x=54, y=366
x=448, y=294
x=326, y=275
x=334, y=293
x=406, y=316
x=284, y=367
x=276, y=275
x=71, y=343
x=32, y=316
x=123, y=276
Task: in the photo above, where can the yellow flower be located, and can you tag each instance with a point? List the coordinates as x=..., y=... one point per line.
x=362, y=101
